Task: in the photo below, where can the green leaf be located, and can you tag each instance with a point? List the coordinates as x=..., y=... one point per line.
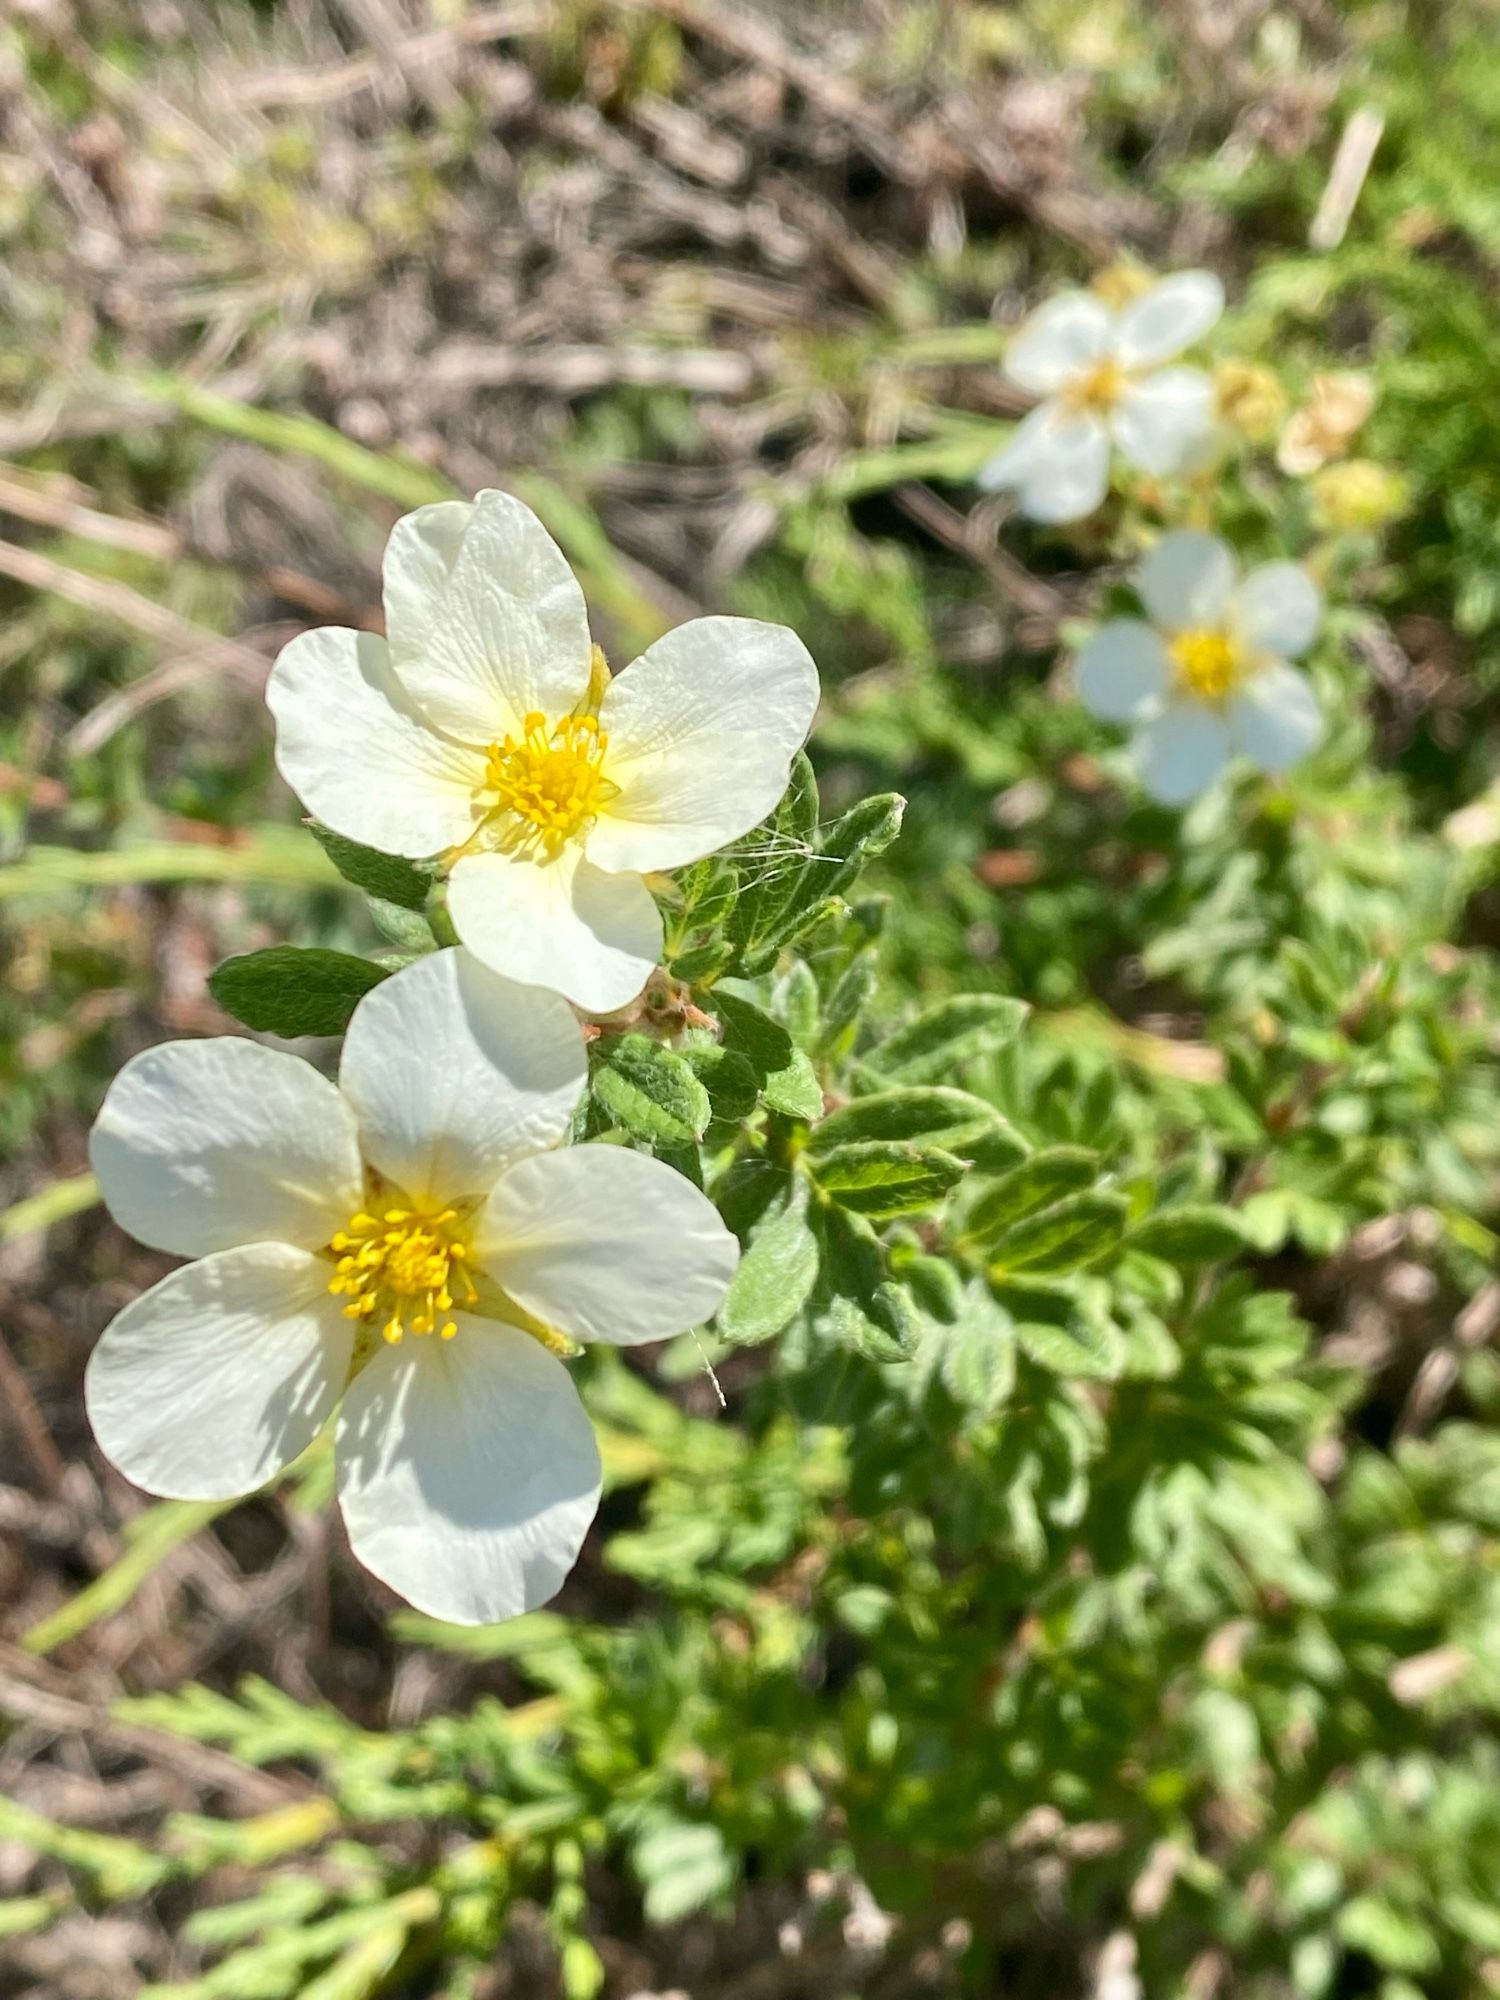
x=1059, y=1335
x=1198, y=1235
x=854, y=840
x=751, y=1031
x=709, y=890
x=955, y=1031
x=855, y=1304
x=289, y=990
x=978, y=1365
x=681, y=1867
x=729, y=1078
x=772, y=862
x=1391, y=1936
x=950, y=1118
x=385, y=876
x=407, y=929
x=1064, y=1238
x=775, y=1277
x=1035, y=1184
x=882, y=1177
x=847, y=1004
x=794, y=1091
x=650, y=1091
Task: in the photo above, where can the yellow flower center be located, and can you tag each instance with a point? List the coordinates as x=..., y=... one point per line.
x=403, y=1268
x=549, y=783
x=1208, y=663
x=1099, y=390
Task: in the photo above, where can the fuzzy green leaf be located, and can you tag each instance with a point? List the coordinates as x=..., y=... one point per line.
x=385, y=876
x=1188, y=1236
x=776, y=1274
x=650, y=1091
x=1066, y=1237
x=1038, y=1182
x=289, y=990
x=882, y=1177
x=955, y=1031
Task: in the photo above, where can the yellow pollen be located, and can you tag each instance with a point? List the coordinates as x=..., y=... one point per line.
x=1099, y=390
x=403, y=1268
x=550, y=784
x=1208, y=663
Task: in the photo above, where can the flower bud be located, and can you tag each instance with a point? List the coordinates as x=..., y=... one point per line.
x=1357, y=496
x=1249, y=399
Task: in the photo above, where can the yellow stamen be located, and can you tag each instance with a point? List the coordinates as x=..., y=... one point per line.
x=548, y=785
x=1099, y=390
x=1209, y=664
x=405, y=1265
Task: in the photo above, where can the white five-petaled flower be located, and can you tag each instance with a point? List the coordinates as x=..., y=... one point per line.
x=1207, y=677
x=484, y=729
x=403, y=1248
x=1105, y=384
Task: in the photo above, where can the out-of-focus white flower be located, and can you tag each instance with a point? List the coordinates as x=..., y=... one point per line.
x=404, y=1248
x=1105, y=383
x=1208, y=676
x=486, y=730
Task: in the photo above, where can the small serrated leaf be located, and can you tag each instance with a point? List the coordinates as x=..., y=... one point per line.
x=650, y=1091
x=794, y=1091
x=291, y=990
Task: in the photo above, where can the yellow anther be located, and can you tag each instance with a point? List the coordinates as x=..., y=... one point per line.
x=1099, y=390
x=548, y=784
x=406, y=1266
x=1209, y=664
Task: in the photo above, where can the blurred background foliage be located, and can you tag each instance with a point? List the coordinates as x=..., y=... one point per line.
x=1090, y=1584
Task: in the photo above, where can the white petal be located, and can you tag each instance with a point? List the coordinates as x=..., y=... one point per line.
x=1010, y=465
x=1187, y=580
x=606, y=1245
x=203, y=1145
x=1163, y=421
x=1180, y=751
x=356, y=752
x=1168, y=318
x=1277, y=609
x=486, y=620
x=453, y=1072
x=565, y=924
x=1122, y=669
x=1060, y=341
x=701, y=729
x=1274, y=719
x=468, y=1471
x=220, y=1375
x=1064, y=472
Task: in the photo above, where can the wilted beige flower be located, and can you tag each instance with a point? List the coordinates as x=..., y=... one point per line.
x=1325, y=426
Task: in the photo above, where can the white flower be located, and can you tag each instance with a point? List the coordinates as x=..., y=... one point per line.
x=403, y=1249
x=1102, y=376
x=482, y=730
x=1208, y=676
